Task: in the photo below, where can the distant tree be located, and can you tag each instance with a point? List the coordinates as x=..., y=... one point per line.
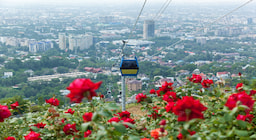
x=62, y=69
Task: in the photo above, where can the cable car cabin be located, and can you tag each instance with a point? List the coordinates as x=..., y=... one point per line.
x=129, y=67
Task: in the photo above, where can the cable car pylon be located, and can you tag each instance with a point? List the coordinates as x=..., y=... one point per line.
x=128, y=67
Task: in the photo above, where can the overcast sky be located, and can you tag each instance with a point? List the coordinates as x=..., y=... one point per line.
x=114, y=1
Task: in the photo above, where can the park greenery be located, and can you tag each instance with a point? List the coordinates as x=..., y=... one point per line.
x=200, y=109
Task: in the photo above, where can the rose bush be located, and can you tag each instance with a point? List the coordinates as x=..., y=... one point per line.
x=199, y=109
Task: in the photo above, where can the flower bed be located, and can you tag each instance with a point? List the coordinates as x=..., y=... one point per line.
x=200, y=109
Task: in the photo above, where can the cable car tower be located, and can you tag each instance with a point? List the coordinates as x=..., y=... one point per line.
x=128, y=67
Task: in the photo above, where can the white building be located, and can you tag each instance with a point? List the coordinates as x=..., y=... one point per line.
x=8, y=74
x=40, y=46
x=62, y=41
x=80, y=41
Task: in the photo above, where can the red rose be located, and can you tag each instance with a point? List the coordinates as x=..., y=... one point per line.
x=87, y=133
x=70, y=111
x=155, y=114
x=140, y=97
x=124, y=114
x=252, y=92
x=167, y=86
x=4, y=112
x=195, y=78
x=207, y=83
x=87, y=116
x=114, y=119
x=244, y=99
x=170, y=96
x=239, y=74
x=69, y=129
x=152, y=91
x=156, y=133
x=145, y=139
x=81, y=88
x=128, y=120
x=247, y=117
x=15, y=105
x=162, y=122
x=169, y=106
x=9, y=138
x=101, y=96
x=239, y=86
x=39, y=125
x=33, y=136
x=53, y=101
x=188, y=108
x=180, y=136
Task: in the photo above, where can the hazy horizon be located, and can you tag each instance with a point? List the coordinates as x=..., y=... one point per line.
x=116, y=2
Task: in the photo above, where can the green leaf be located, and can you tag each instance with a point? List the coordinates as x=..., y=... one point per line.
x=242, y=124
x=134, y=138
x=105, y=113
x=243, y=107
x=242, y=133
x=34, y=128
x=228, y=117
x=231, y=132
x=85, y=126
x=234, y=110
x=95, y=116
x=253, y=136
x=119, y=127
x=129, y=124
x=112, y=106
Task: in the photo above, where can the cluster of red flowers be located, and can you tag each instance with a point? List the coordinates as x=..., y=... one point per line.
x=124, y=117
x=70, y=111
x=164, y=88
x=170, y=97
x=53, y=101
x=15, y=105
x=239, y=86
x=40, y=125
x=70, y=129
x=140, y=97
x=244, y=99
x=188, y=108
x=81, y=88
x=155, y=113
x=195, y=78
x=206, y=83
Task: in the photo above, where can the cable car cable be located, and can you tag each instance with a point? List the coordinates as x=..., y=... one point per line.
x=216, y=20
x=167, y=3
x=160, y=9
x=137, y=19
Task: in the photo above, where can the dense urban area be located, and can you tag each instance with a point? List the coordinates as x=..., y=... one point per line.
x=44, y=48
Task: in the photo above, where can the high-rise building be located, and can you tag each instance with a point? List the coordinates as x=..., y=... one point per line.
x=249, y=21
x=148, y=29
x=80, y=41
x=62, y=41
x=40, y=46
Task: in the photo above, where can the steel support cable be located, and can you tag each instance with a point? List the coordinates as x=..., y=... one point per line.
x=213, y=22
x=160, y=9
x=163, y=8
x=134, y=26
